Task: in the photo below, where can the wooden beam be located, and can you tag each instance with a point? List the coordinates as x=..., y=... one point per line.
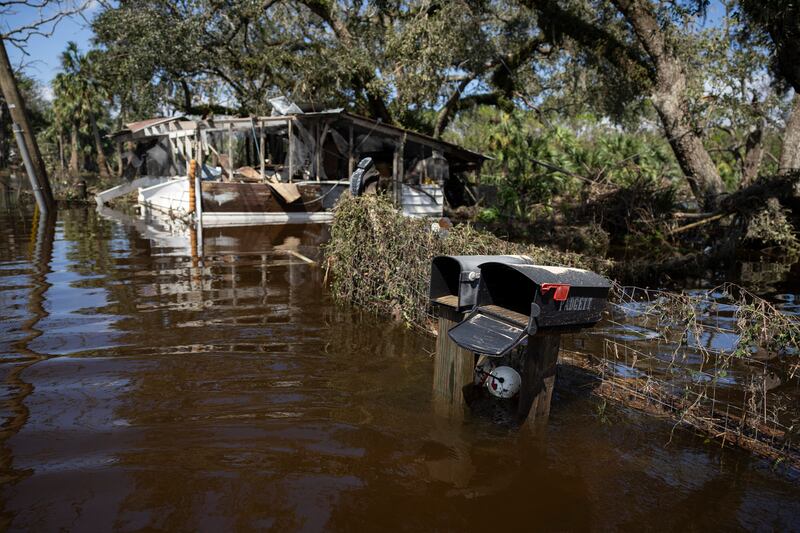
x=397, y=171
x=417, y=138
x=321, y=150
x=291, y=152
x=317, y=149
x=191, y=174
x=261, y=147
x=351, y=161
x=230, y=149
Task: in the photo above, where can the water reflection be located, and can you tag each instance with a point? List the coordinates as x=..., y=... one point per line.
x=226, y=390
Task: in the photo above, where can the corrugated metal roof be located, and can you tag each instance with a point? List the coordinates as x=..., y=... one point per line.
x=133, y=127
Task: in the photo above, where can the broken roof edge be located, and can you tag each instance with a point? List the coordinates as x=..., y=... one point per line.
x=429, y=139
x=137, y=130
x=132, y=128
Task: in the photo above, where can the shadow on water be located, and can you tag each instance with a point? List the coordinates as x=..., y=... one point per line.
x=149, y=387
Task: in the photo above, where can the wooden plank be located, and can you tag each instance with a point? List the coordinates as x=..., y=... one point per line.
x=504, y=313
x=248, y=174
x=450, y=300
x=301, y=257
x=287, y=191
x=216, y=220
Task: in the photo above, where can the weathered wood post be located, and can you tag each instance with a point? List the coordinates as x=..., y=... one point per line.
x=453, y=366
x=317, y=149
x=230, y=148
x=290, y=122
x=261, y=148
x=351, y=156
x=321, y=152
x=397, y=171
x=192, y=193
x=538, y=379
x=198, y=191
x=5, y=194
x=192, y=170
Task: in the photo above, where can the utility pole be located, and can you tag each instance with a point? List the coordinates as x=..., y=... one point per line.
x=26, y=159
x=19, y=115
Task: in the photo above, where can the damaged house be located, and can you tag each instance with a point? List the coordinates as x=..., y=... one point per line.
x=290, y=167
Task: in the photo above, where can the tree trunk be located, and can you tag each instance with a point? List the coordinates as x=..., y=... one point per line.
x=120, y=124
x=3, y=138
x=120, y=167
x=16, y=108
x=102, y=164
x=669, y=98
x=790, y=149
x=187, y=97
x=692, y=156
x=446, y=113
x=61, y=150
x=754, y=153
x=73, y=156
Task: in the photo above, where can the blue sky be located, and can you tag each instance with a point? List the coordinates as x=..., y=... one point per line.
x=43, y=53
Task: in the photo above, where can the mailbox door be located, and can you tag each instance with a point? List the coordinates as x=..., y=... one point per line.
x=486, y=333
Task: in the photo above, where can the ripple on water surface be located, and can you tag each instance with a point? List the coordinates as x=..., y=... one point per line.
x=144, y=389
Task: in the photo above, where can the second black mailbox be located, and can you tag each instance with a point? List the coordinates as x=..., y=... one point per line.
x=455, y=278
x=518, y=300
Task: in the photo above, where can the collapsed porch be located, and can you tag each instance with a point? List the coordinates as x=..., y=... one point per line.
x=315, y=146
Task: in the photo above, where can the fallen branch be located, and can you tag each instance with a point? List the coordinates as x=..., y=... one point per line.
x=713, y=218
x=691, y=216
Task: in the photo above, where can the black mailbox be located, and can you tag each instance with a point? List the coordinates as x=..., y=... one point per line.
x=517, y=300
x=455, y=278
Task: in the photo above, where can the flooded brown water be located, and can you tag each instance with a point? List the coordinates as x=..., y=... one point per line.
x=144, y=390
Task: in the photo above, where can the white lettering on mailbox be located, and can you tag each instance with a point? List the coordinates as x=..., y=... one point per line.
x=576, y=304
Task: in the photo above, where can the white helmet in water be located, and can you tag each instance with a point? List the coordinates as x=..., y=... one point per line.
x=503, y=382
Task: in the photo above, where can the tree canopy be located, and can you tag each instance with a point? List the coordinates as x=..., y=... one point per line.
x=712, y=82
